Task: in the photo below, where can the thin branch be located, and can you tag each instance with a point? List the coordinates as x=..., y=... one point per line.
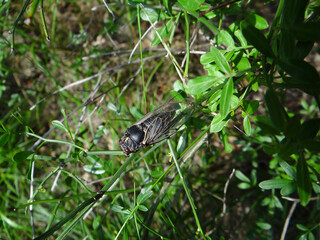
x=286, y=224
x=110, y=11
x=224, y=200
x=298, y=200
x=174, y=61
x=138, y=43
x=117, y=52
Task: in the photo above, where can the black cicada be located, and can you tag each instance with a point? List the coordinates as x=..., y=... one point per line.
x=156, y=126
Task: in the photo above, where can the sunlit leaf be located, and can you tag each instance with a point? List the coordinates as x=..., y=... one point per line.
x=218, y=122
x=59, y=125
x=220, y=60
x=257, y=21
x=274, y=183
x=225, y=100
x=191, y=5
x=240, y=175
x=247, y=125
x=200, y=84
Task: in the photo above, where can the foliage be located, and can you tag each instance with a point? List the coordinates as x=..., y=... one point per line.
x=67, y=102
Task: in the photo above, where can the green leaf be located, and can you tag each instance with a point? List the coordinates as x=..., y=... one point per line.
x=234, y=102
x=225, y=100
x=302, y=227
x=94, y=169
x=225, y=141
x=288, y=189
x=226, y=38
x=215, y=96
x=143, y=196
x=206, y=58
x=288, y=169
x=276, y=202
x=311, y=236
x=156, y=174
x=4, y=138
x=150, y=13
x=251, y=107
x=257, y=39
x=243, y=64
x=302, y=49
x=21, y=156
x=163, y=32
x=265, y=123
x=241, y=38
x=182, y=142
x=117, y=208
x=136, y=113
x=178, y=86
x=218, y=122
x=167, y=4
x=96, y=222
x=264, y=225
x=143, y=208
x=220, y=60
x=191, y=5
x=242, y=177
x=293, y=127
x=303, y=181
x=111, y=106
x=309, y=129
x=244, y=185
x=301, y=70
x=3, y=129
x=255, y=86
x=200, y=84
x=308, y=31
x=274, y=183
x=59, y=125
x=247, y=125
x=277, y=113
x=257, y=21
x=135, y=2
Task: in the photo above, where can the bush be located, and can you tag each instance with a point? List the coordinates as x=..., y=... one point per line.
x=246, y=163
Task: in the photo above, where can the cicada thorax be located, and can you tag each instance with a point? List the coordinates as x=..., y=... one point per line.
x=136, y=133
x=132, y=139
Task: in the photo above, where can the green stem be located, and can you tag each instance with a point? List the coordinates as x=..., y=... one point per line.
x=187, y=191
x=187, y=32
x=16, y=23
x=43, y=21
x=141, y=58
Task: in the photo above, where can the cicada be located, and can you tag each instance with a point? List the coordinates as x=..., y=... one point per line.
x=156, y=126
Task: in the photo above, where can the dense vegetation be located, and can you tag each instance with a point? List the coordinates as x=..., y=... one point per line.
x=76, y=74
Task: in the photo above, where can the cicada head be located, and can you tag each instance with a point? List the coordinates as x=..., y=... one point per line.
x=132, y=140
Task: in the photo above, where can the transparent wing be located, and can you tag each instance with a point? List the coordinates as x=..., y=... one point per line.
x=168, y=106
x=163, y=125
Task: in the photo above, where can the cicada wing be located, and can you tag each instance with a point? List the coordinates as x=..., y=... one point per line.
x=156, y=126
x=166, y=107
x=165, y=126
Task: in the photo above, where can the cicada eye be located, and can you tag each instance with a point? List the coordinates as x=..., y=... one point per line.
x=135, y=134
